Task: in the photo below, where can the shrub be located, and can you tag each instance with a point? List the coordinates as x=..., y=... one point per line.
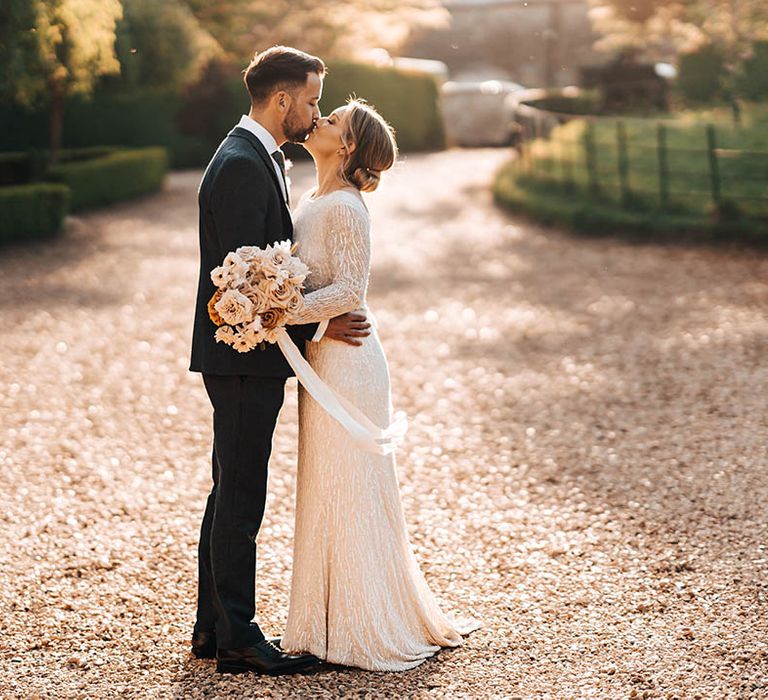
x=407, y=100
x=191, y=123
x=754, y=82
x=32, y=211
x=14, y=168
x=701, y=74
x=128, y=119
x=116, y=176
x=18, y=168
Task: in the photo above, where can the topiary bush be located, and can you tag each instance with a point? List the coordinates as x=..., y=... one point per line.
x=113, y=177
x=29, y=212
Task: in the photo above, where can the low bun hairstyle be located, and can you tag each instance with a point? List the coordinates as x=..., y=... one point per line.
x=375, y=147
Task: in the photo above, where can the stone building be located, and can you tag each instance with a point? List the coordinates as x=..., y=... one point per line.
x=536, y=43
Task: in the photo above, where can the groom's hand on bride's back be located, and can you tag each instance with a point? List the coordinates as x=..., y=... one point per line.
x=349, y=328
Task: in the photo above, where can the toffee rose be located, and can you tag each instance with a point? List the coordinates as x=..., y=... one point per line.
x=272, y=318
x=212, y=313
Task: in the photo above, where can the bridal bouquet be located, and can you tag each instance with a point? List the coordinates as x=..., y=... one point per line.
x=256, y=290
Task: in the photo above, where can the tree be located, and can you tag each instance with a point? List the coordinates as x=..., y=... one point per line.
x=729, y=28
x=329, y=28
x=656, y=32
x=56, y=48
x=162, y=44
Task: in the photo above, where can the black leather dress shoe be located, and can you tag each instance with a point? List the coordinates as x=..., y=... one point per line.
x=264, y=658
x=204, y=644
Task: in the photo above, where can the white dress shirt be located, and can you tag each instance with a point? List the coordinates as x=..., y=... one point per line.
x=268, y=141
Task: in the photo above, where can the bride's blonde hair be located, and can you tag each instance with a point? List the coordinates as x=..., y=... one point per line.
x=375, y=146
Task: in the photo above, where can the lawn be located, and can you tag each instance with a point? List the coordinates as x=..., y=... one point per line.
x=664, y=164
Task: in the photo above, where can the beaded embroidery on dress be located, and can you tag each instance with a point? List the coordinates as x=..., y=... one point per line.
x=358, y=597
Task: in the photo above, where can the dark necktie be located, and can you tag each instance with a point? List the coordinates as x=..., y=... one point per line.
x=279, y=157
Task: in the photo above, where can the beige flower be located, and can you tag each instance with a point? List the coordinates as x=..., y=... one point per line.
x=298, y=271
x=234, y=307
x=272, y=335
x=268, y=285
x=220, y=277
x=243, y=342
x=260, y=298
x=232, y=260
x=253, y=332
x=225, y=334
x=296, y=302
x=282, y=296
x=250, y=253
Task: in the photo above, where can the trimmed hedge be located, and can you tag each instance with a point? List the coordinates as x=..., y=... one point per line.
x=18, y=168
x=128, y=119
x=14, y=168
x=409, y=101
x=32, y=211
x=111, y=178
x=555, y=204
x=192, y=124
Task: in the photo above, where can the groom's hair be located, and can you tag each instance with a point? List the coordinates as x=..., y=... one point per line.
x=279, y=68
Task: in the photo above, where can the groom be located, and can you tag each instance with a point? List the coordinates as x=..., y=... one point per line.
x=244, y=200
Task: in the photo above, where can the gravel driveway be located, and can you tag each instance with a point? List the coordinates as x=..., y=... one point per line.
x=585, y=471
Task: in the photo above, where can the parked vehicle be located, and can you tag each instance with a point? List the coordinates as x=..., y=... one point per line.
x=478, y=113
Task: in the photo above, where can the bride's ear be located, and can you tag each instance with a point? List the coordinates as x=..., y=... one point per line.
x=349, y=148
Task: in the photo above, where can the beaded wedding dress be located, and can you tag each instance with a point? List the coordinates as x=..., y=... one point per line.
x=358, y=597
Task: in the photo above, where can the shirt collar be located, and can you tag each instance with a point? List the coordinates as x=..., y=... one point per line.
x=267, y=140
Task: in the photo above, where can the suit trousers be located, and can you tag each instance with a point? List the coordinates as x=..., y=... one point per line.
x=245, y=411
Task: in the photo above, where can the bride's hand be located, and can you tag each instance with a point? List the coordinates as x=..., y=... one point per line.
x=349, y=328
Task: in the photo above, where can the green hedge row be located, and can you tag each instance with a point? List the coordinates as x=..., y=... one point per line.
x=18, y=168
x=408, y=101
x=86, y=178
x=191, y=124
x=32, y=211
x=113, y=177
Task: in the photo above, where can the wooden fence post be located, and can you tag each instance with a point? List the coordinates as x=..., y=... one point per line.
x=714, y=169
x=623, y=162
x=590, y=154
x=566, y=162
x=661, y=148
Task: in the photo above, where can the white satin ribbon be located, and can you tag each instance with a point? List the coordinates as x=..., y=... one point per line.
x=366, y=435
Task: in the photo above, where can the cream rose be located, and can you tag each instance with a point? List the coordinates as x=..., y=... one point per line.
x=234, y=307
x=282, y=296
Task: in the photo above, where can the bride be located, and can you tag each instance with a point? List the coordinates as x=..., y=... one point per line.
x=358, y=597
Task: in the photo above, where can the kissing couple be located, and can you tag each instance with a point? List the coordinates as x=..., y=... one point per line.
x=357, y=597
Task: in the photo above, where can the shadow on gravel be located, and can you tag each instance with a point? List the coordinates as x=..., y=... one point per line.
x=197, y=678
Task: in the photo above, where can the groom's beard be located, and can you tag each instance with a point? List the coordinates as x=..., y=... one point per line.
x=294, y=130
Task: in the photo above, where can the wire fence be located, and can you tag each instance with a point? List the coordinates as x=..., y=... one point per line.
x=641, y=162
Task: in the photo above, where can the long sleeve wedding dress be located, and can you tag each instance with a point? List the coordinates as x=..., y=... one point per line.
x=358, y=597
